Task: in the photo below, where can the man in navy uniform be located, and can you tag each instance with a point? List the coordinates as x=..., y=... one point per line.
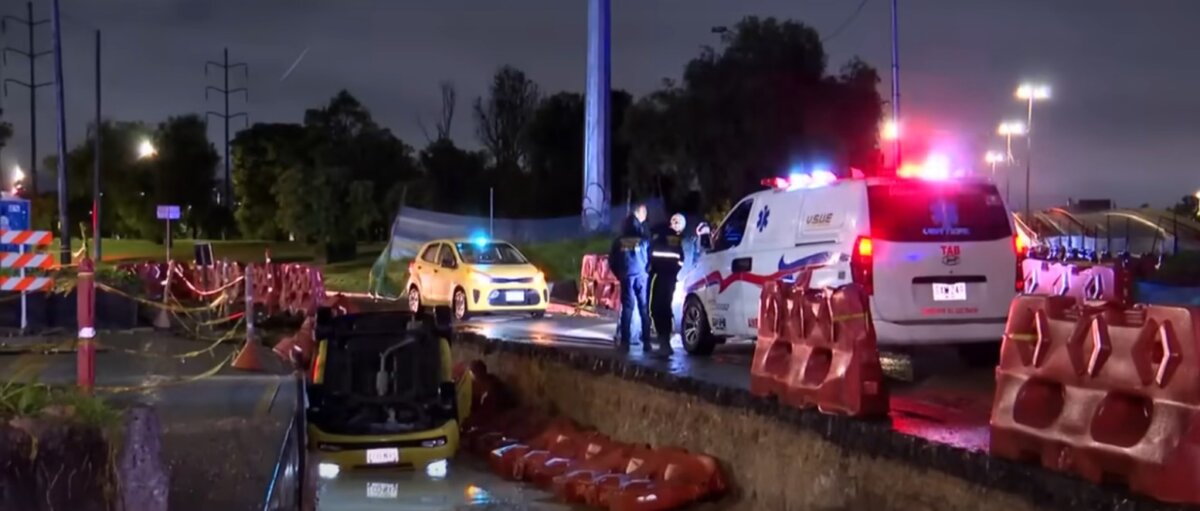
x=629, y=260
x=666, y=259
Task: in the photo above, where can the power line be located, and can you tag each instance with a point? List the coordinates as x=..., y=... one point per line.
x=32, y=55
x=225, y=66
x=849, y=20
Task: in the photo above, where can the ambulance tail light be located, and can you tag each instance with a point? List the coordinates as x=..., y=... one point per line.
x=862, y=264
x=1020, y=247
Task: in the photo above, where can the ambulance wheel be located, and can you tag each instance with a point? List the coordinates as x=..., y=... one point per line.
x=697, y=335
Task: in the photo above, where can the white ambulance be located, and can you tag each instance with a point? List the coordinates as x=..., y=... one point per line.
x=939, y=257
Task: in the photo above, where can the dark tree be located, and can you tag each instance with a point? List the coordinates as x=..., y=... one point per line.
x=501, y=118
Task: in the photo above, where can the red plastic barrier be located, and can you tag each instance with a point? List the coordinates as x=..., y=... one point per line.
x=502, y=460
x=682, y=478
x=585, y=455
x=817, y=348
x=1085, y=281
x=576, y=478
x=1105, y=391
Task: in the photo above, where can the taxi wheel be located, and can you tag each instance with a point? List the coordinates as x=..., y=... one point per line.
x=460, y=309
x=537, y=315
x=414, y=299
x=697, y=337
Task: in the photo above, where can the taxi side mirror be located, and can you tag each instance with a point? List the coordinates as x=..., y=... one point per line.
x=706, y=242
x=449, y=264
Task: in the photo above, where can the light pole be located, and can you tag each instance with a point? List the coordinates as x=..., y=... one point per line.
x=994, y=158
x=1008, y=130
x=1030, y=92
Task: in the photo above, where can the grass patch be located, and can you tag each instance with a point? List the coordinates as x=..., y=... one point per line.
x=560, y=259
x=32, y=399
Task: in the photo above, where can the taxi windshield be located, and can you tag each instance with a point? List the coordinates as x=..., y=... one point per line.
x=490, y=253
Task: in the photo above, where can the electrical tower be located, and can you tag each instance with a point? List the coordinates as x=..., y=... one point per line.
x=225, y=66
x=32, y=55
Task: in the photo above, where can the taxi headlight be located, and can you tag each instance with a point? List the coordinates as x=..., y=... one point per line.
x=480, y=278
x=539, y=277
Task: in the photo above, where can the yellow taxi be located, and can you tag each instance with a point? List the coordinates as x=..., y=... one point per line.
x=475, y=276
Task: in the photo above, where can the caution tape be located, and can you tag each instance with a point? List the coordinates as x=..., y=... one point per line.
x=232, y=334
x=168, y=383
x=194, y=289
x=150, y=303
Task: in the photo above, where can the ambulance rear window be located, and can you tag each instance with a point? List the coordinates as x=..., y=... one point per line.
x=915, y=211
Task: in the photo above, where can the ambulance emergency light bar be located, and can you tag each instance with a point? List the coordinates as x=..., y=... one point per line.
x=798, y=180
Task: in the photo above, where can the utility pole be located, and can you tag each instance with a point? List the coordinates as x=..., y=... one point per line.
x=33, y=85
x=96, y=164
x=64, y=222
x=225, y=66
x=896, y=76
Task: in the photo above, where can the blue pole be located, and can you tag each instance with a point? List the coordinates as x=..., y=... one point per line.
x=64, y=225
x=596, y=123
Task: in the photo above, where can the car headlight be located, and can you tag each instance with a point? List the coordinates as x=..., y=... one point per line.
x=436, y=442
x=539, y=277
x=480, y=278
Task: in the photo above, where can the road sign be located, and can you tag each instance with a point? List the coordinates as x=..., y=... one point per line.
x=14, y=216
x=168, y=212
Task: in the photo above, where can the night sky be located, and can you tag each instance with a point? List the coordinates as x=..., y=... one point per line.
x=1122, y=123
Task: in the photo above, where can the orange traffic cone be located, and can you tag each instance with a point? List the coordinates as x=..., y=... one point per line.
x=248, y=358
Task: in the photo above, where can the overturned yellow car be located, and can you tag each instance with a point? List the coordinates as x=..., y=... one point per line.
x=381, y=394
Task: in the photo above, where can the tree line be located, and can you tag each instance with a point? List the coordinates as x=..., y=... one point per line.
x=761, y=102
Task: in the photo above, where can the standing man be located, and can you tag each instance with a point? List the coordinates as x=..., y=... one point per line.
x=666, y=259
x=629, y=260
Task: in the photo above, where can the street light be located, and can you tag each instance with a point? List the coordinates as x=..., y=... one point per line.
x=1008, y=130
x=890, y=130
x=146, y=149
x=18, y=175
x=1029, y=93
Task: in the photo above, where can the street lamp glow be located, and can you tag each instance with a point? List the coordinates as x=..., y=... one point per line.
x=891, y=130
x=1033, y=91
x=1011, y=129
x=18, y=175
x=146, y=149
x=994, y=157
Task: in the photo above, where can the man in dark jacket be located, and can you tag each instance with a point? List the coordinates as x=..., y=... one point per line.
x=666, y=259
x=629, y=261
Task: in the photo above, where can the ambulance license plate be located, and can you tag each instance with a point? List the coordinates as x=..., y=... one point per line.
x=955, y=292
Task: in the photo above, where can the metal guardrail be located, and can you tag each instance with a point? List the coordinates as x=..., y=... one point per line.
x=287, y=487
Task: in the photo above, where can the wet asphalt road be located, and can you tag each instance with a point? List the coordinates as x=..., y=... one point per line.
x=221, y=432
x=934, y=394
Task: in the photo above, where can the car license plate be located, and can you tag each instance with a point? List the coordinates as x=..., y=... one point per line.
x=955, y=292
x=514, y=296
x=383, y=490
x=383, y=456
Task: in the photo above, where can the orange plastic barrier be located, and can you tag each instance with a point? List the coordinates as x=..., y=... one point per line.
x=598, y=287
x=1105, y=391
x=682, y=478
x=503, y=460
x=1085, y=281
x=816, y=347
x=586, y=455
